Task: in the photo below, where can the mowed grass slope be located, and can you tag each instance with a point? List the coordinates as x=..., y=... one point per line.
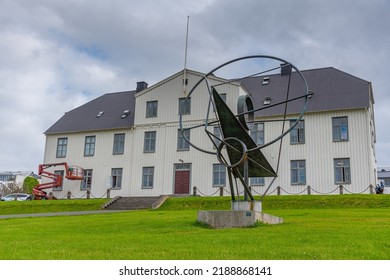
x=48, y=206
x=315, y=227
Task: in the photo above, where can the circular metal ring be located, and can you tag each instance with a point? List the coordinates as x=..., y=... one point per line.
x=244, y=105
x=208, y=120
x=223, y=143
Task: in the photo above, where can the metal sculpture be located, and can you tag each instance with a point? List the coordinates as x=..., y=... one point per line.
x=233, y=146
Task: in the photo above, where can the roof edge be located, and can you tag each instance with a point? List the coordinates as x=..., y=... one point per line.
x=90, y=130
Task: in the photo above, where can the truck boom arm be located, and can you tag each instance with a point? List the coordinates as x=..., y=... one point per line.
x=71, y=173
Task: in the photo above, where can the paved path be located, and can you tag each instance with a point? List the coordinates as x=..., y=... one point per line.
x=12, y=216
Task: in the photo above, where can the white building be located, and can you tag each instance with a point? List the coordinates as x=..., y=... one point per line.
x=129, y=142
x=9, y=180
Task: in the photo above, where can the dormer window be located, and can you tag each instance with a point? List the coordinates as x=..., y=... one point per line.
x=125, y=114
x=267, y=100
x=265, y=80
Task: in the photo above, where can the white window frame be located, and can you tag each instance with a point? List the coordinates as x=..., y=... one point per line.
x=151, y=109
x=119, y=144
x=150, y=141
x=148, y=177
x=342, y=171
x=298, y=172
x=219, y=175
x=62, y=147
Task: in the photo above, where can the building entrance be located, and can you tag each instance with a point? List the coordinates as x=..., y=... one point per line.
x=182, y=178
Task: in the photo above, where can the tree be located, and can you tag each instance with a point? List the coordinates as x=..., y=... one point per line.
x=10, y=188
x=29, y=183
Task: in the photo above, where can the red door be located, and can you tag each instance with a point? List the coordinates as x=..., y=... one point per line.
x=182, y=178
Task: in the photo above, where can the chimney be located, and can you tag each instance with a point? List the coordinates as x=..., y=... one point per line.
x=285, y=69
x=141, y=86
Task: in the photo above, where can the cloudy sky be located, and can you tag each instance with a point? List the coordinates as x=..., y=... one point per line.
x=56, y=55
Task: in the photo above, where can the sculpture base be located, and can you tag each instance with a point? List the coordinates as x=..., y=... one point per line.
x=247, y=205
x=236, y=218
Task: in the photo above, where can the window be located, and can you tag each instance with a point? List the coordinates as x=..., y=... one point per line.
x=298, y=172
x=372, y=130
x=125, y=113
x=217, y=136
x=150, y=142
x=256, y=181
x=119, y=144
x=89, y=147
x=7, y=177
x=297, y=135
x=342, y=171
x=219, y=175
x=147, y=177
x=86, y=184
x=116, y=174
x=185, y=106
x=62, y=145
x=151, y=109
x=257, y=133
x=59, y=172
x=340, y=129
x=267, y=99
x=182, y=144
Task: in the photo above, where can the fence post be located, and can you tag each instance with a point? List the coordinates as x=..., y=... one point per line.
x=278, y=190
x=68, y=195
x=221, y=191
x=308, y=190
x=108, y=193
x=341, y=189
x=194, y=191
x=88, y=194
x=371, y=189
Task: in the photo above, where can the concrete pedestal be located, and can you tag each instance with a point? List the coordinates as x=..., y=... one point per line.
x=243, y=214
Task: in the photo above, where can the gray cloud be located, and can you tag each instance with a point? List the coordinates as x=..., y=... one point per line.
x=56, y=55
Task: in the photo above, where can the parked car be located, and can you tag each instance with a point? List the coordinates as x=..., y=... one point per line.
x=18, y=196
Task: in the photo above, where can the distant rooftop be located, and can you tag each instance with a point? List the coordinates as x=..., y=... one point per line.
x=383, y=172
x=26, y=173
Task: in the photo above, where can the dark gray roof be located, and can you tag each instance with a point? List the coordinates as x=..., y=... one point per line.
x=84, y=118
x=333, y=90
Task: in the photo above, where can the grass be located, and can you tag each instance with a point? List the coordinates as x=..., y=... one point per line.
x=316, y=227
x=283, y=202
x=47, y=206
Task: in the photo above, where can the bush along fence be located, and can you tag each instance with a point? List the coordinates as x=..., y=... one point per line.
x=221, y=191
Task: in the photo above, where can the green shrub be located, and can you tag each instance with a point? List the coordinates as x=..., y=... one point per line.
x=29, y=183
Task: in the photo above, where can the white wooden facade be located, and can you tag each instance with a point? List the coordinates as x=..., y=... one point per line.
x=318, y=151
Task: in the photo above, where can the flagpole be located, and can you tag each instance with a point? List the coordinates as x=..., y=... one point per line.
x=185, y=60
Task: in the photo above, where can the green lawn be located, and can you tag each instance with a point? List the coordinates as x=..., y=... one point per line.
x=316, y=227
x=47, y=206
